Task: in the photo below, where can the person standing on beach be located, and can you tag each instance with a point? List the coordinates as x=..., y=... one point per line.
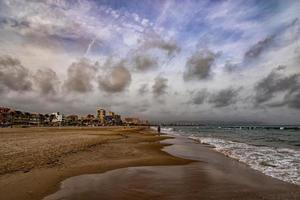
x=158, y=129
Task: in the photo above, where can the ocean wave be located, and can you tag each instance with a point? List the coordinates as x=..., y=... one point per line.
x=280, y=163
x=167, y=130
x=170, y=131
x=154, y=128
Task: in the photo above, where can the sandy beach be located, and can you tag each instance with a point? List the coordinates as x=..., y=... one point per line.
x=124, y=163
x=34, y=161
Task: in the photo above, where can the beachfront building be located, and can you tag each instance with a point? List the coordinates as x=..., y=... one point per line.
x=10, y=117
x=34, y=119
x=57, y=119
x=72, y=120
x=118, y=120
x=114, y=119
x=132, y=121
x=4, y=116
x=18, y=117
x=101, y=115
x=112, y=114
x=109, y=120
x=48, y=119
x=135, y=121
x=90, y=120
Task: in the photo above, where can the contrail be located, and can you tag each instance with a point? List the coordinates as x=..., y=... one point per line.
x=89, y=47
x=167, y=62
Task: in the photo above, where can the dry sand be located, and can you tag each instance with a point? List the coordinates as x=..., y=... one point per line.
x=34, y=161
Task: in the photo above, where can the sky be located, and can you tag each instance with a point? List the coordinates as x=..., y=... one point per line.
x=160, y=60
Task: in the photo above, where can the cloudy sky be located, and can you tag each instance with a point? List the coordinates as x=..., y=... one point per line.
x=217, y=60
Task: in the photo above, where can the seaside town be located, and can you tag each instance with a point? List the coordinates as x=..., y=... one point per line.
x=15, y=118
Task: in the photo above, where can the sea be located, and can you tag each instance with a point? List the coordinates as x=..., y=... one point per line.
x=274, y=152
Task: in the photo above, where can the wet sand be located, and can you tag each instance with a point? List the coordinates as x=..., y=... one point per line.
x=33, y=161
x=214, y=176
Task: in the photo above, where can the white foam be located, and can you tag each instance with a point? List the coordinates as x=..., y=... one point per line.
x=170, y=131
x=153, y=128
x=283, y=164
x=167, y=130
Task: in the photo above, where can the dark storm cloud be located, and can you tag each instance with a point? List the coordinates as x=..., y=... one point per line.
x=29, y=26
x=144, y=62
x=14, y=76
x=160, y=86
x=277, y=39
x=230, y=67
x=297, y=55
x=35, y=32
x=224, y=97
x=116, y=79
x=13, y=23
x=292, y=100
x=7, y=61
x=257, y=49
x=47, y=81
x=199, y=97
x=198, y=66
x=80, y=77
x=274, y=83
x=143, y=89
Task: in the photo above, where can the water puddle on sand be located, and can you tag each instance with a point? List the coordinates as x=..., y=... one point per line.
x=151, y=182
x=174, y=182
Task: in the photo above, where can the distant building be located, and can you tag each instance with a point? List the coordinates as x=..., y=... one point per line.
x=118, y=120
x=10, y=117
x=101, y=115
x=48, y=119
x=90, y=116
x=132, y=121
x=113, y=118
x=5, y=116
x=72, y=120
x=109, y=120
x=72, y=117
x=34, y=119
x=112, y=114
x=18, y=117
x=58, y=118
x=4, y=110
x=89, y=120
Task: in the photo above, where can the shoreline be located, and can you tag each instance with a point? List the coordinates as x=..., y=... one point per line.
x=278, y=162
x=138, y=149
x=213, y=176
x=206, y=148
